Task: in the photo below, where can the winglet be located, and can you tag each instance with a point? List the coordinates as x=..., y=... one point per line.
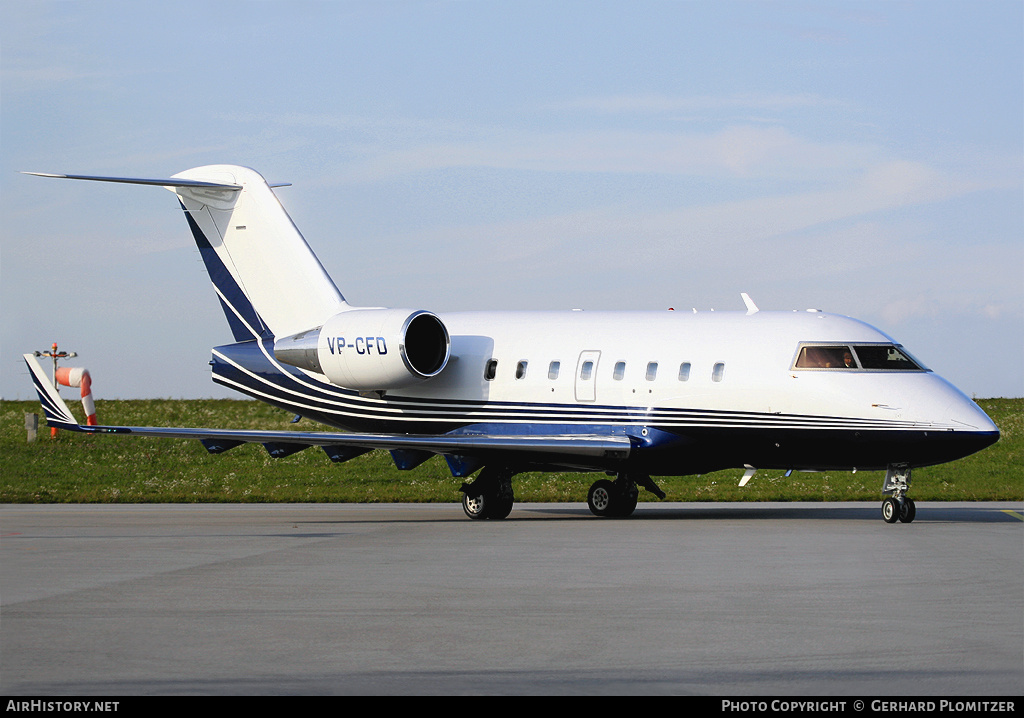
x=57, y=413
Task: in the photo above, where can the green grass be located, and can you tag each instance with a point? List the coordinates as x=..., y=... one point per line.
x=75, y=468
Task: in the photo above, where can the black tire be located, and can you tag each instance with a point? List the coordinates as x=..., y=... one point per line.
x=499, y=508
x=626, y=502
x=603, y=498
x=891, y=510
x=909, y=511
x=491, y=495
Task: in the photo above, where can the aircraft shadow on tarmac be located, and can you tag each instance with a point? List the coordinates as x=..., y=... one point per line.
x=869, y=511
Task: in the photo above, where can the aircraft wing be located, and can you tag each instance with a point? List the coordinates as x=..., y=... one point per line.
x=282, y=443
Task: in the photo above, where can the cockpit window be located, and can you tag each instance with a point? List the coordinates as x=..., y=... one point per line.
x=886, y=357
x=871, y=357
x=826, y=357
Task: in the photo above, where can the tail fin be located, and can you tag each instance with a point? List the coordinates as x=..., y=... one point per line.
x=260, y=265
x=267, y=278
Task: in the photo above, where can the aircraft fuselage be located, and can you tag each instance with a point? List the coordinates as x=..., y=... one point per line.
x=694, y=391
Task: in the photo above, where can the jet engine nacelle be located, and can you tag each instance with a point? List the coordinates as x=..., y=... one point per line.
x=371, y=349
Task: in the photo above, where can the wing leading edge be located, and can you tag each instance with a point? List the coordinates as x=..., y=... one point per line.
x=544, y=447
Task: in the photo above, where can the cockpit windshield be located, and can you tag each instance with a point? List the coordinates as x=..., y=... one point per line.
x=865, y=357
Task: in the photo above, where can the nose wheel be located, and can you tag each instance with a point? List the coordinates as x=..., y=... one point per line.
x=898, y=506
x=909, y=510
x=903, y=510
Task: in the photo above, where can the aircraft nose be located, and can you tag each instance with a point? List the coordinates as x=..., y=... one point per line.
x=979, y=431
x=966, y=427
x=967, y=412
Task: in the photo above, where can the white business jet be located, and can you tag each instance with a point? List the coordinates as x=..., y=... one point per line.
x=629, y=394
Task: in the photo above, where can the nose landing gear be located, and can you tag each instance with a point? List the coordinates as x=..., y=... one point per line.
x=897, y=506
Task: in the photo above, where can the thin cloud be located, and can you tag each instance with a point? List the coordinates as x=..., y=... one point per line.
x=653, y=104
x=736, y=151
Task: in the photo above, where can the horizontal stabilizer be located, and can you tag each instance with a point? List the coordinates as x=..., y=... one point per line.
x=171, y=182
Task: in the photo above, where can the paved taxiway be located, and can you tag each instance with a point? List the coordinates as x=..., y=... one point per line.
x=719, y=599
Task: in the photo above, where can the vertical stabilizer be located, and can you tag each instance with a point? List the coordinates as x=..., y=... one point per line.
x=266, y=276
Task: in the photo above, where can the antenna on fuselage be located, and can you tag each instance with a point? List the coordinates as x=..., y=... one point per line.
x=751, y=307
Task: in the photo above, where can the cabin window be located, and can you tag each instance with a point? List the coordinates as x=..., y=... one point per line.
x=619, y=371
x=652, y=371
x=586, y=370
x=521, y=370
x=491, y=370
x=553, y=370
x=684, y=371
x=718, y=372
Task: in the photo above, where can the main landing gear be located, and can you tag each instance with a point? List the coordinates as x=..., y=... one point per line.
x=490, y=496
x=617, y=499
x=897, y=506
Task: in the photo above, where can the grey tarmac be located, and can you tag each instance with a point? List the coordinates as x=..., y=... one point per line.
x=688, y=599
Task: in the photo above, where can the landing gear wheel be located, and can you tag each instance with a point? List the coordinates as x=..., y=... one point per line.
x=601, y=498
x=491, y=495
x=897, y=507
x=475, y=506
x=891, y=510
x=500, y=507
x=627, y=503
x=909, y=511
x=612, y=498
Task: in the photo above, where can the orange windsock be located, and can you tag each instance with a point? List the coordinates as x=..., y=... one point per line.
x=77, y=376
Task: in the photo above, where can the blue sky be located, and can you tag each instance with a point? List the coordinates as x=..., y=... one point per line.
x=864, y=158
